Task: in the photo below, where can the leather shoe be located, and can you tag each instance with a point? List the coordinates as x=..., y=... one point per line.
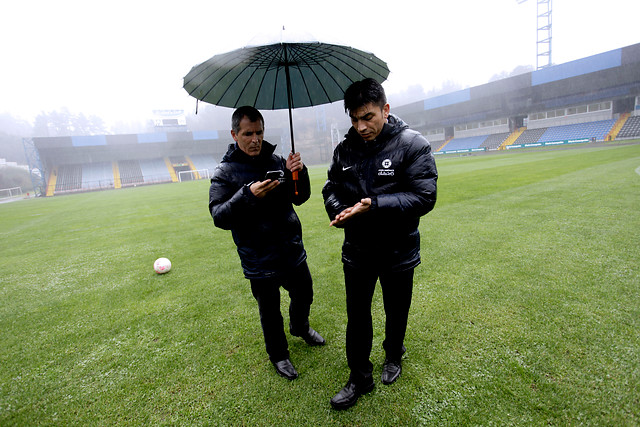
x=285, y=369
x=391, y=371
x=348, y=396
x=311, y=337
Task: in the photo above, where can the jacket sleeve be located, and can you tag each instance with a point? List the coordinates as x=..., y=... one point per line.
x=420, y=180
x=332, y=192
x=302, y=186
x=229, y=204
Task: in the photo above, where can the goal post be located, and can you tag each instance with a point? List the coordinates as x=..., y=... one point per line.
x=7, y=193
x=192, y=175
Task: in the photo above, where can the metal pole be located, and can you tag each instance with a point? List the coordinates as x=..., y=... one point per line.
x=289, y=94
x=294, y=175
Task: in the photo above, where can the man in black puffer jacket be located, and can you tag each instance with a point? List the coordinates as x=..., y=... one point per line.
x=266, y=230
x=382, y=179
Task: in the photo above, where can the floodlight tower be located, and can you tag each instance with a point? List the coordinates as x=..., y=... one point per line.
x=543, y=33
x=35, y=167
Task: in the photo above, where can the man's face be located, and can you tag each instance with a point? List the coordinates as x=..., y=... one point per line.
x=249, y=137
x=369, y=119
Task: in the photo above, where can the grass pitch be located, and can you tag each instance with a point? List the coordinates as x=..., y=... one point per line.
x=526, y=308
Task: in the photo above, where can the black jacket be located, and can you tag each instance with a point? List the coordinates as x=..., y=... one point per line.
x=398, y=172
x=267, y=231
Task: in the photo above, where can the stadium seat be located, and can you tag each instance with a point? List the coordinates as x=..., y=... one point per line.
x=97, y=176
x=204, y=161
x=631, y=128
x=589, y=130
x=494, y=141
x=466, y=143
x=154, y=170
x=130, y=172
x=530, y=136
x=69, y=178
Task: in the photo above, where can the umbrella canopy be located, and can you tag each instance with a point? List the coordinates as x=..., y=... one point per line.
x=282, y=75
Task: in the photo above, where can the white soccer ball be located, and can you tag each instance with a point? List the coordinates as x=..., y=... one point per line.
x=162, y=265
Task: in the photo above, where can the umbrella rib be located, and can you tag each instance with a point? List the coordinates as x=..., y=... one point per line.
x=204, y=70
x=324, y=68
x=301, y=63
x=264, y=76
x=253, y=73
x=360, y=54
x=229, y=86
x=275, y=84
x=261, y=51
x=298, y=68
x=209, y=76
x=270, y=55
x=336, y=52
x=331, y=76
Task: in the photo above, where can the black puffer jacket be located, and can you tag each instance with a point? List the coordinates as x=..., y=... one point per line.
x=398, y=172
x=267, y=231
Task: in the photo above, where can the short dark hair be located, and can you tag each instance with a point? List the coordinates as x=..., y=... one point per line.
x=247, y=111
x=363, y=92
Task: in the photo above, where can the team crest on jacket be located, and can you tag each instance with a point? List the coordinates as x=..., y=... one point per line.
x=386, y=164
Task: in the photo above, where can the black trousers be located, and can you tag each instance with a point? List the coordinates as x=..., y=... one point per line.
x=299, y=285
x=397, y=289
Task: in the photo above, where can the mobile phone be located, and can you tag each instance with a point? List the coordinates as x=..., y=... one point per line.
x=273, y=175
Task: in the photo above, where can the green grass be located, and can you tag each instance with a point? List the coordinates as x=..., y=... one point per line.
x=526, y=308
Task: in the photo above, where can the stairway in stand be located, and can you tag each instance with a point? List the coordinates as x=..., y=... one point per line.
x=512, y=138
x=616, y=127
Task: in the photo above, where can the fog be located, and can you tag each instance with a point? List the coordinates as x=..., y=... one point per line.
x=105, y=66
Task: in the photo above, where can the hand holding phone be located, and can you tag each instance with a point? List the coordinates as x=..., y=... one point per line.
x=275, y=175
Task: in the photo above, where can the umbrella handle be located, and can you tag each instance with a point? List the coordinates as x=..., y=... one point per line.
x=294, y=176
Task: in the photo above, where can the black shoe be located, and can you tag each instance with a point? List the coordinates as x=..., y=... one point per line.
x=348, y=396
x=391, y=371
x=311, y=337
x=285, y=368
x=392, y=368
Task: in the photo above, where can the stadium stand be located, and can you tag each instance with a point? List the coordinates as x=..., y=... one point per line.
x=631, y=128
x=177, y=160
x=204, y=161
x=154, y=171
x=130, y=172
x=588, y=94
x=69, y=178
x=613, y=133
x=530, y=136
x=494, y=141
x=436, y=145
x=511, y=138
x=466, y=143
x=593, y=98
x=97, y=176
x=597, y=130
x=589, y=130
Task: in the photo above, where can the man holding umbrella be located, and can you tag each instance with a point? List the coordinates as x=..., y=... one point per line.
x=258, y=210
x=382, y=179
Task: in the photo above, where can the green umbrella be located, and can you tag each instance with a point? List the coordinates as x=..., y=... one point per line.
x=282, y=75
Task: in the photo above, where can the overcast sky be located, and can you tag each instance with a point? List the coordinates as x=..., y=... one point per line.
x=121, y=59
